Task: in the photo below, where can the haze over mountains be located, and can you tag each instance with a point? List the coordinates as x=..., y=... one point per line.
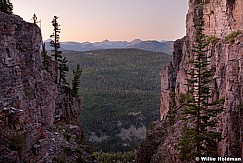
x=150, y=45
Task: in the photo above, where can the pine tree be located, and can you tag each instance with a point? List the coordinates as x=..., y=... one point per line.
x=200, y=114
x=172, y=108
x=56, y=45
x=63, y=69
x=6, y=6
x=46, y=58
x=76, y=80
x=34, y=18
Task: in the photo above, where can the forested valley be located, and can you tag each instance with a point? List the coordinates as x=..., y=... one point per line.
x=120, y=92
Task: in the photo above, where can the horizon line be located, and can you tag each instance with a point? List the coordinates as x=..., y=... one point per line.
x=112, y=40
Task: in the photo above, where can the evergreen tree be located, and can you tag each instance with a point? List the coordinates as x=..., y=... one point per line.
x=76, y=80
x=56, y=45
x=172, y=108
x=6, y=6
x=34, y=18
x=46, y=58
x=63, y=69
x=199, y=137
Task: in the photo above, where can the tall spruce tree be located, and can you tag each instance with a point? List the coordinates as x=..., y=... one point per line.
x=63, y=69
x=56, y=45
x=200, y=113
x=76, y=80
x=6, y=6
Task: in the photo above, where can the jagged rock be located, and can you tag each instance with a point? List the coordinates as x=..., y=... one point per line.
x=8, y=156
x=148, y=148
x=30, y=101
x=221, y=18
x=67, y=108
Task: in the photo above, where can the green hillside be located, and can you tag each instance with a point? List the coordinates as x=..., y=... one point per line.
x=120, y=91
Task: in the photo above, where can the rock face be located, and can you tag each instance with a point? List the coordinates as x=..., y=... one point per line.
x=29, y=99
x=222, y=17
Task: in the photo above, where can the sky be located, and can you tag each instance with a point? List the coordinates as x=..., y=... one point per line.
x=97, y=20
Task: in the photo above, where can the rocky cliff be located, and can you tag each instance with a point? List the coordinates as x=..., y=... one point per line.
x=35, y=114
x=223, y=23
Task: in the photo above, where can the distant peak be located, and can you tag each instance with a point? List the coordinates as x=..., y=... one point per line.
x=106, y=40
x=137, y=40
x=151, y=41
x=86, y=43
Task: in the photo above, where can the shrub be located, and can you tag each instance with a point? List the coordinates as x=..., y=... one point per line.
x=67, y=136
x=67, y=150
x=231, y=37
x=80, y=139
x=60, y=159
x=79, y=159
x=212, y=39
x=16, y=141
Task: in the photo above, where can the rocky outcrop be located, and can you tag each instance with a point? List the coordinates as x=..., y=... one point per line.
x=222, y=17
x=30, y=101
x=68, y=108
x=149, y=149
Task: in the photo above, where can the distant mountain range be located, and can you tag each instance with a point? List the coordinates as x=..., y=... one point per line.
x=150, y=45
x=155, y=46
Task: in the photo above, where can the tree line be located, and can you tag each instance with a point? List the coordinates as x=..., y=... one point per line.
x=125, y=157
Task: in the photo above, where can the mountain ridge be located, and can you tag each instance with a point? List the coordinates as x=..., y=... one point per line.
x=150, y=45
x=156, y=46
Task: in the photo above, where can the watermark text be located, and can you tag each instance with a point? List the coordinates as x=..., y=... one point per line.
x=216, y=159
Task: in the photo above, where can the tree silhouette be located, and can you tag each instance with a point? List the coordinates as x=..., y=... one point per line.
x=56, y=45
x=6, y=6
x=63, y=69
x=76, y=80
x=34, y=18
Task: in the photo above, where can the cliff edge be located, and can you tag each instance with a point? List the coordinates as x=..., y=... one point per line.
x=222, y=18
x=38, y=120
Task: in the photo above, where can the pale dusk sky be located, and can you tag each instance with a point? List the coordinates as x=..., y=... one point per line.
x=97, y=20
